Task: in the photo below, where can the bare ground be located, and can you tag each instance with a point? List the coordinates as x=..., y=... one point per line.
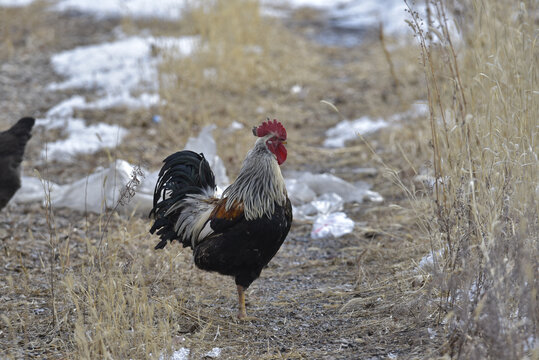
x=348, y=298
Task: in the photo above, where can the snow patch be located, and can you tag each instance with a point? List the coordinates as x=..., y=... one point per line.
x=370, y=13
x=353, y=14
x=118, y=69
x=56, y=115
x=326, y=213
x=166, y=9
x=417, y=109
x=83, y=139
x=356, y=15
x=15, y=3
x=124, y=73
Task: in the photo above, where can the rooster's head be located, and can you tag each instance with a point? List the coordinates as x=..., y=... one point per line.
x=274, y=134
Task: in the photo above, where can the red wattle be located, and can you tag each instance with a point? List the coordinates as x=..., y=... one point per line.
x=280, y=152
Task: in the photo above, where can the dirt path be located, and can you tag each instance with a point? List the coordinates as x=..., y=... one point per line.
x=346, y=298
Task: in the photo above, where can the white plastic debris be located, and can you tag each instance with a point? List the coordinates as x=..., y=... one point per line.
x=322, y=205
x=204, y=143
x=327, y=183
x=335, y=224
x=97, y=192
x=181, y=354
x=328, y=203
x=104, y=189
x=320, y=198
x=214, y=353
x=296, y=89
x=32, y=190
x=348, y=130
x=147, y=185
x=299, y=192
x=235, y=126
x=325, y=212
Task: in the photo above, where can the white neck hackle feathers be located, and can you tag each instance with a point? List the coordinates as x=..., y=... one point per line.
x=260, y=184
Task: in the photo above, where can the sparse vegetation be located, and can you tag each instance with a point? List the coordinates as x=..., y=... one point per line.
x=462, y=184
x=484, y=108
x=23, y=30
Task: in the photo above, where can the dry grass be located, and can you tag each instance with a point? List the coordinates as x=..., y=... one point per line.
x=242, y=71
x=81, y=286
x=23, y=30
x=88, y=286
x=484, y=110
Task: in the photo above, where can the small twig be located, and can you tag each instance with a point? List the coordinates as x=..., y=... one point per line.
x=126, y=194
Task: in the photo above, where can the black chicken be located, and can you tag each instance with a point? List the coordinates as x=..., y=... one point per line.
x=12, y=144
x=239, y=233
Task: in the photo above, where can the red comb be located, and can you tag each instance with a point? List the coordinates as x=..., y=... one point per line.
x=270, y=127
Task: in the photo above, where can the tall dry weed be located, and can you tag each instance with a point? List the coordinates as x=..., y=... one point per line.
x=117, y=311
x=484, y=106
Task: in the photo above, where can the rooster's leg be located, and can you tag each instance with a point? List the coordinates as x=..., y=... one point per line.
x=242, y=313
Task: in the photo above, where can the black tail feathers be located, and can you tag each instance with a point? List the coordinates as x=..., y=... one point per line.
x=182, y=174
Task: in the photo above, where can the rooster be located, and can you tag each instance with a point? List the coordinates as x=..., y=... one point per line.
x=239, y=233
x=12, y=144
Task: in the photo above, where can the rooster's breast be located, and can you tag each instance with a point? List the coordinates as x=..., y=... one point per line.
x=243, y=249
